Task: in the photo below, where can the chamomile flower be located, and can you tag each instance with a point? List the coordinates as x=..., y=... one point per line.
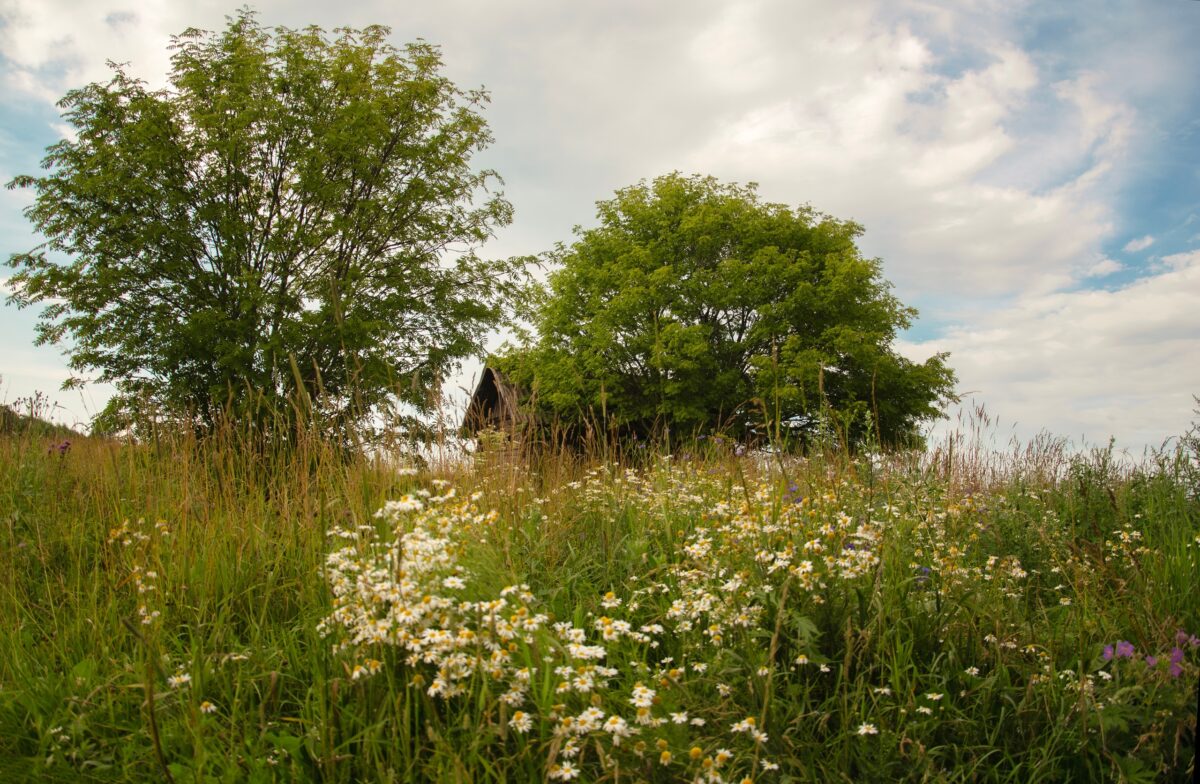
x=521, y=722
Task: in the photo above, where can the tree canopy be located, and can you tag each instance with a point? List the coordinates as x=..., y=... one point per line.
x=696, y=305
x=295, y=213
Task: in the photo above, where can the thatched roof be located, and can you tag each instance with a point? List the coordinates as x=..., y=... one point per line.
x=495, y=405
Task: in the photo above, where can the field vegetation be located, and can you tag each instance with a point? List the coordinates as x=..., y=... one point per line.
x=223, y=611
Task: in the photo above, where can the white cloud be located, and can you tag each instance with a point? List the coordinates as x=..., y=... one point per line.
x=53, y=45
x=1103, y=268
x=913, y=154
x=1093, y=363
x=1139, y=244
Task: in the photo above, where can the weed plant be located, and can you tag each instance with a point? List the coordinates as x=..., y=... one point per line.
x=207, y=611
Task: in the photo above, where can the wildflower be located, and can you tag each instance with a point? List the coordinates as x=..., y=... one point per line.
x=520, y=722
x=564, y=772
x=618, y=728
x=934, y=696
x=642, y=697
x=972, y=671
x=1124, y=650
x=453, y=583
x=207, y=707
x=1107, y=654
x=588, y=721
x=664, y=758
x=514, y=696
x=724, y=689
x=926, y=710
x=679, y=718
x=882, y=690
x=179, y=679
x=1176, y=668
x=802, y=659
x=406, y=503
x=745, y=725
x=610, y=601
x=867, y=729
x=1151, y=661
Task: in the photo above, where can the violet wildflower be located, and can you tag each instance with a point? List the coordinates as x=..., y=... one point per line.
x=1151, y=661
x=1108, y=653
x=1176, y=668
x=1124, y=649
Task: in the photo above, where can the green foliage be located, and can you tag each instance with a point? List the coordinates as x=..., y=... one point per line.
x=698, y=306
x=293, y=218
x=887, y=620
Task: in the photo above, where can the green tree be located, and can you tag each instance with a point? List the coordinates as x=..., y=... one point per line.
x=295, y=216
x=697, y=306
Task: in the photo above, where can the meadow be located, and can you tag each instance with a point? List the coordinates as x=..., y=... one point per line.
x=196, y=612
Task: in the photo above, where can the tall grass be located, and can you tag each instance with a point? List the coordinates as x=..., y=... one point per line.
x=170, y=611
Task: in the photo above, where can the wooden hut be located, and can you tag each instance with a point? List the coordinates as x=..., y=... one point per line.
x=495, y=405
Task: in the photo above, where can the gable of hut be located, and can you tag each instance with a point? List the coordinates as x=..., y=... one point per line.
x=495, y=405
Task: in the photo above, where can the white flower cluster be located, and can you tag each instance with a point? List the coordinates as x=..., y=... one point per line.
x=406, y=593
x=812, y=542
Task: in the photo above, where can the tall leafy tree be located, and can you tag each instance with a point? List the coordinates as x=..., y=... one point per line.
x=295, y=213
x=698, y=306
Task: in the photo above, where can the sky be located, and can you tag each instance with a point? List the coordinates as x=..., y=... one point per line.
x=1029, y=173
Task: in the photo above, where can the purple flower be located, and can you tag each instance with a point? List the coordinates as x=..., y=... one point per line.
x=1151, y=661
x=1176, y=655
x=1176, y=670
x=1108, y=653
x=1124, y=649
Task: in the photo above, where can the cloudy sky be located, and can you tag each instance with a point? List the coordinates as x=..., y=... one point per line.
x=1028, y=172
